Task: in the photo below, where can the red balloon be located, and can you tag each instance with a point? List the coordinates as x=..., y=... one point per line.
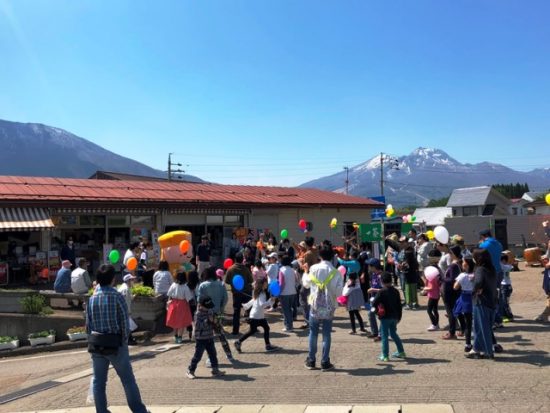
x=45, y=273
x=302, y=224
x=227, y=263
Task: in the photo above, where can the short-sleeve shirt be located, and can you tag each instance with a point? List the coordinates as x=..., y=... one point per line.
x=465, y=281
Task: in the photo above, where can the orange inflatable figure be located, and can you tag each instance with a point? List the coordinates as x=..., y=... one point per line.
x=171, y=252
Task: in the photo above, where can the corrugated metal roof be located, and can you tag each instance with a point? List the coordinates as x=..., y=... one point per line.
x=469, y=196
x=433, y=216
x=19, y=188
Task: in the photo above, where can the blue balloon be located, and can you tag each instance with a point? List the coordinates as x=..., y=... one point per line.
x=274, y=288
x=238, y=282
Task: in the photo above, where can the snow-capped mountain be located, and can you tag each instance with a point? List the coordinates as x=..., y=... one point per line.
x=424, y=174
x=33, y=149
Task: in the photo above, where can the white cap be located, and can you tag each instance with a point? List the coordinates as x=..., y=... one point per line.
x=273, y=255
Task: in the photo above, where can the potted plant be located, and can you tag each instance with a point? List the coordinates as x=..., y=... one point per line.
x=8, y=342
x=77, y=333
x=42, y=337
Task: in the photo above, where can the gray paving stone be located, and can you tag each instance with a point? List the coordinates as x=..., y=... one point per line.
x=382, y=408
x=427, y=408
x=283, y=408
x=328, y=409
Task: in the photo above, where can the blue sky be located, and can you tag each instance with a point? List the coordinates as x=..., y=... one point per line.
x=281, y=92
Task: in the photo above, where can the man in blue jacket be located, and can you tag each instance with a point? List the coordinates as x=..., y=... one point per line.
x=62, y=282
x=495, y=250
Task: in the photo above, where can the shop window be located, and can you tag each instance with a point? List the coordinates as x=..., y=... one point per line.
x=214, y=220
x=233, y=220
x=469, y=211
x=146, y=220
x=66, y=220
x=92, y=221
x=118, y=221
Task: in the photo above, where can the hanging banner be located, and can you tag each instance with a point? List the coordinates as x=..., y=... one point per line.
x=370, y=232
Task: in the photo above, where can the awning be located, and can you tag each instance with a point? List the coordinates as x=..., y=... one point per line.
x=24, y=219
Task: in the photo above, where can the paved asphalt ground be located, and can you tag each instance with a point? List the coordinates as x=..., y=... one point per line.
x=435, y=371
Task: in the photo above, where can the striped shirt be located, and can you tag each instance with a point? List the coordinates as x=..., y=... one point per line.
x=107, y=312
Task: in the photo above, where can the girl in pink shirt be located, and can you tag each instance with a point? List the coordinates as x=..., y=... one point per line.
x=433, y=291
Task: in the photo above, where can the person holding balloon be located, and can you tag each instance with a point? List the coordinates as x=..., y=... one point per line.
x=240, y=279
x=288, y=282
x=433, y=291
x=257, y=314
x=352, y=290
x=130, y=255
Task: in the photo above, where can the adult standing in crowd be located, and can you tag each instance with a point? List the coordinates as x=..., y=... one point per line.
x=203, y=255
x=450, y=295
x=487, y=242
x=322, y=279
x=242, y=296
x=484, y=299
x=133, y=251
x=68, y=253
x=108, y=330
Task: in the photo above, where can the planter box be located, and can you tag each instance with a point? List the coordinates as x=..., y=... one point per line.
x=77, y=336
x=9, y=346
x=10, y=300
x=148, y=308
x=42, y=340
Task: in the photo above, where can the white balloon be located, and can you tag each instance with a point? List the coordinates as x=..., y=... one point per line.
x=441, y=234
x=390, y=206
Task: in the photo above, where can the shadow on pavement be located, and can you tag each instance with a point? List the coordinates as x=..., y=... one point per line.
x=516, y=339
x=536, y=358
x=416, y=361
x=417, y=341
x=388, y=369
x=280, y=351
x=243, y=365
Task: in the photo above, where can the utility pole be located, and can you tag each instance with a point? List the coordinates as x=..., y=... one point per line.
x=347, y=178
x=170, y=170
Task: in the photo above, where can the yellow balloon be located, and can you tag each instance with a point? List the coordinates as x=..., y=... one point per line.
x=430, y=234
x=547, y=198
x=333, y=223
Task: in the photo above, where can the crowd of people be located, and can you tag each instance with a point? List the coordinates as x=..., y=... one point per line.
x=311, y=280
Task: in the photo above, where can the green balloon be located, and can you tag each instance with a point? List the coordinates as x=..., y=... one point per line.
x=284, y=234
x=114, y=256
x=413, y=218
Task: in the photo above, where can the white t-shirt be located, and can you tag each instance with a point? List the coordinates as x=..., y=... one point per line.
x=162, y=280
x=129, y=254
x=257, y=306
x=272, y=271
x=80, y=281
x=506, y=268
x=181, y=292
x=290, y=280
x=465, y=282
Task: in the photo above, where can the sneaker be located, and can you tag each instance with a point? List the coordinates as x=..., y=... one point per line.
x=269, y=348
x=309, y=364
x=467, y=348
x=407, y=307
x=304, y=326
x=327, y=366
x=505, y=320
x=497, y=348
x=432, y=328
x=208, y=363
x=191, y=375
x=399, y=355
x=377, y=338
x=371, y=335
x=352, y=332
x=217, y=373
x=381, y=357
x=459, y=334
x=364, y=330
x=473, y=355
x=448, y=336
x=237, y=345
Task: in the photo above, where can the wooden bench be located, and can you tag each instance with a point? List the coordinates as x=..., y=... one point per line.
x=62, y=300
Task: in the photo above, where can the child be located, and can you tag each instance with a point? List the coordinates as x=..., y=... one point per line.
x=204, y=338
x=257, y=316
x=433, y=292
x=192, y=284
x=505, y=290
x=387, y=304
x=178, y=315
x=409, y=267
x=353, y=291
x=463, y=307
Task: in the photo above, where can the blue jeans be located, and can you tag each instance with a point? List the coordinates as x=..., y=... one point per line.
x=121, y=363
x=287, y=302
x=388, y=327
x=504, y=301
x=484, y=318
x=200, y=347
x=313, y=335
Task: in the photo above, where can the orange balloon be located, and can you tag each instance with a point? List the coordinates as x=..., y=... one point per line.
x=132, y=264
x=45, y=273
x=184, y=246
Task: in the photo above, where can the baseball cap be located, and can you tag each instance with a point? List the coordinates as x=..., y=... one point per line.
x=66, y=263
x=272, y=255
x=128, y=277
x=485, y=233
x=375, y=262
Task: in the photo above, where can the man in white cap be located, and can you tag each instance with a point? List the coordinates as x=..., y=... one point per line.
x=126, y=290
x=62, y=282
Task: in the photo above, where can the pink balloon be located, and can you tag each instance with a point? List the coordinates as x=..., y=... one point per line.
x=342, y=300
x=342, y=270
x=405, y=219
x=431, y=273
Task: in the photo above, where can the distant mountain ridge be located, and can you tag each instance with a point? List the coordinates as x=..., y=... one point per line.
x=424, y=174
x=34, y=149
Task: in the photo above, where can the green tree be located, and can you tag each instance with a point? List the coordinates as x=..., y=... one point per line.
x=438, y=202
